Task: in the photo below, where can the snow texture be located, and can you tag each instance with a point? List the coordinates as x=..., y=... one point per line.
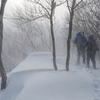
x=36, y=79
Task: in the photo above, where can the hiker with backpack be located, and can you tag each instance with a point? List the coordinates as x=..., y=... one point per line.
x=79, y=41
x=91, y=50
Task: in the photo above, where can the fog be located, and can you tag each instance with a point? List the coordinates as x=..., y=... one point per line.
x=17, y=44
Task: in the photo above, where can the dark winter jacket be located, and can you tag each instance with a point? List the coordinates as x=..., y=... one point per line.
x=79, y=40
x=91, y=48
x=77, y=35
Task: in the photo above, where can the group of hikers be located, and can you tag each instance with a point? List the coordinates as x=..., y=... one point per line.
x=81, y=44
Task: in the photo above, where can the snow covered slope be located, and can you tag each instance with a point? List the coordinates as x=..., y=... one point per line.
x=36, y=79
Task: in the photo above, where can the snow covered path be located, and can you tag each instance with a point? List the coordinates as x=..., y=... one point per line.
x=96, y=82
x=36, y=79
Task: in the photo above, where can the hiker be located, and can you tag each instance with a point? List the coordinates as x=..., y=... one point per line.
x=91, y=50
x=79, y=41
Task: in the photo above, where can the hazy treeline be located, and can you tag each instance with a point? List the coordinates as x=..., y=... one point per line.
x=18, y=44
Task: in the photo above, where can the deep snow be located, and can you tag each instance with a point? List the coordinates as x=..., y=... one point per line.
x=36, y=79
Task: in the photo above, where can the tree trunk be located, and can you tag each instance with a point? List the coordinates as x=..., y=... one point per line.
x=69, y=35
x=53, y=45
x=52, y=34
x=2, y=71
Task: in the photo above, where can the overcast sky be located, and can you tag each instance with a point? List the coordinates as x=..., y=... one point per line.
x=11, y=4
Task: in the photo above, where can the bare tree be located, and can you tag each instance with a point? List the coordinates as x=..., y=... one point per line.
x=71, y=12
x=43, y=9
x=53, y=5
x=48, y=11
x=2, y=71
x=31, y=28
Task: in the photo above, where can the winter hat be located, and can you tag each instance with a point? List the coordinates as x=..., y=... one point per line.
x=91, y=37
x=79, y=33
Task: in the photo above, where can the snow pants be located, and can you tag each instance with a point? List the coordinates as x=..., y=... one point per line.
x=80, y=51
x=91, y=56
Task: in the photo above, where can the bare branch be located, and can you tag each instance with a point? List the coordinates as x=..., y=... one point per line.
x=60, y=3
x=78, y=4
x=68, y=6
x=43, y=7
x=85, y=5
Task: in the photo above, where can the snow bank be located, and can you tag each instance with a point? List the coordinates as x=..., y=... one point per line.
x=36, y=79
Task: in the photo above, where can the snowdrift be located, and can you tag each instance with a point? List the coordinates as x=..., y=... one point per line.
x=36, y=79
